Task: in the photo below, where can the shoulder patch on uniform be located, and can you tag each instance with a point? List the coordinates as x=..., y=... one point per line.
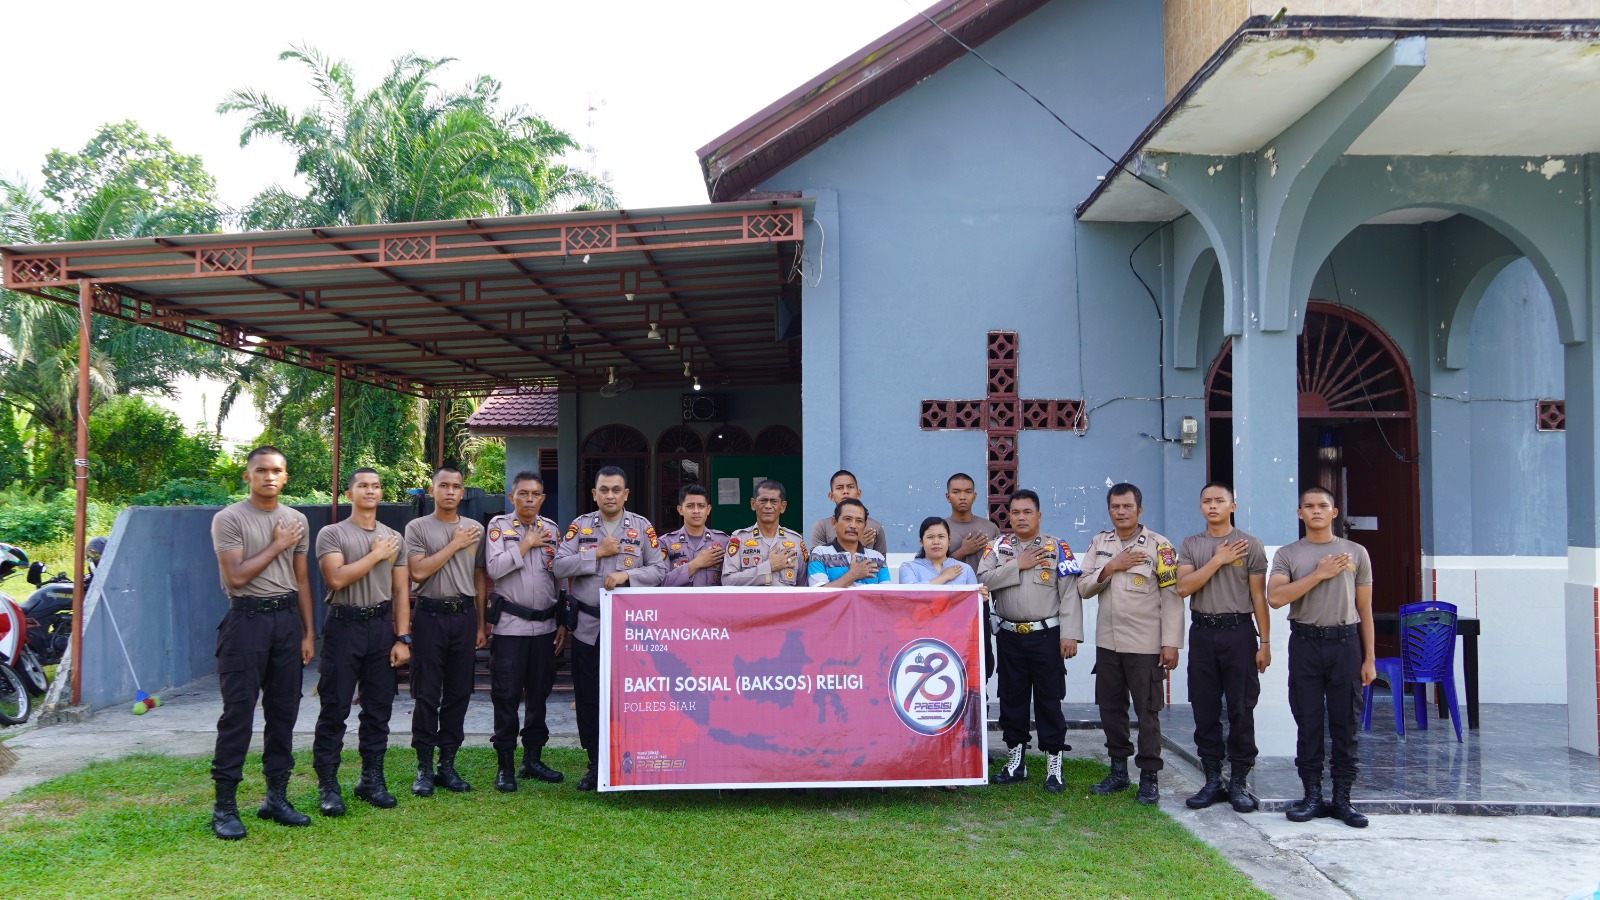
x=494, y=534
x=733, y=548
x=572, y=531
x=1066, y=563
x=650, y=533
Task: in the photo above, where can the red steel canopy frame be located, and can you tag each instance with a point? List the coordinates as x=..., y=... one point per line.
x=445, y=309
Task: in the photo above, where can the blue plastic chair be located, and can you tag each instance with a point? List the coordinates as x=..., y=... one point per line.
x=1428, y=655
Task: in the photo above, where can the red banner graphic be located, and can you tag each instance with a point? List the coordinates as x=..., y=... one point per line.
x=733, y=687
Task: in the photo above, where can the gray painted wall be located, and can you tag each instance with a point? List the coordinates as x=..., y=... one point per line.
x=954, y=219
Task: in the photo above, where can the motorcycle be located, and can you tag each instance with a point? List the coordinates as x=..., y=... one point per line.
x=21, y=675
x=49, y=609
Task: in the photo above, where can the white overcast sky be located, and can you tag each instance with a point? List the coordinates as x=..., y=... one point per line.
x=665, y=77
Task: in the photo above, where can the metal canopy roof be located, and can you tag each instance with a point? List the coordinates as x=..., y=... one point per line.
x=443, y=308
x=1490, y=88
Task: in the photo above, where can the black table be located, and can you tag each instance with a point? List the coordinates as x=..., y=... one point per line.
x=1467, y=628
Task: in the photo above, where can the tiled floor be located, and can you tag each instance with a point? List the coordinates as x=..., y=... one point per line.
x=1517, y=762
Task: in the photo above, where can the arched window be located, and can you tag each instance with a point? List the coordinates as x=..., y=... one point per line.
x=680, y=460
x=729, y=439
x=620, y=446
x=778, y=440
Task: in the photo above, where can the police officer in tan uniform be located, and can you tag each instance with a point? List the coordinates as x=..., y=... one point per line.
x=1138, y=632
x=1038, y=620
x=766, y=554
x=520, y=556
x=606, y=549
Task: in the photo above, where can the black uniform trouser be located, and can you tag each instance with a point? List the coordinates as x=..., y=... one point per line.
x=444, y=651
x=521, y=668
x=1030, y=666
x=1325, y=686
x=586, y=691
x=354, y=654
x=1222, y=665
x=258, y=657
x=1118, y=678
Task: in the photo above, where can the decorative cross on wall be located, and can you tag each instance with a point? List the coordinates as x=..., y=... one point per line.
x=1001, y=415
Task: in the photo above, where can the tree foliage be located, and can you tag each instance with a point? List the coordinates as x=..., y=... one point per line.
x=135, y=446
x=404, y=150
x=124, y=183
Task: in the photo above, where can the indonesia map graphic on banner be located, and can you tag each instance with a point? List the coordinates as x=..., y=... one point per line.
x=779, y=688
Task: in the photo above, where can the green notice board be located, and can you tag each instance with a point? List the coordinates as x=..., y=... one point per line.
x=740, y=473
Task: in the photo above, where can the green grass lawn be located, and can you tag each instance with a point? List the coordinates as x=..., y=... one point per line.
x=138, y=828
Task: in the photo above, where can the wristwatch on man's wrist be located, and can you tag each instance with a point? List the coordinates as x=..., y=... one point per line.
x=403, y=639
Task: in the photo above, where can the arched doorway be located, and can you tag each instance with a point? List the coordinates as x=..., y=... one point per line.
x=620, y=446
x=680, y=460
x=1358, y=438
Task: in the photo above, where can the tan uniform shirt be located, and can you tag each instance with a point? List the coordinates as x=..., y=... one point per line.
x=1140, y=611
x=745, y=564
x=822, y=534
x=526, y=579
x=640, y=557
x=427, y=536
x=1032, y=595
x=1331, y=602
x=244, y=527
x=1228, y=591
x=352, y=542
x=959, y=532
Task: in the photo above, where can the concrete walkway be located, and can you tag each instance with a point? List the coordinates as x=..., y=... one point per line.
x=1398, y=855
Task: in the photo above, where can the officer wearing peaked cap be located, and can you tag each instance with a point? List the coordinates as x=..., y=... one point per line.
x=1038, y=622
x=766, y=554
x=603, y=550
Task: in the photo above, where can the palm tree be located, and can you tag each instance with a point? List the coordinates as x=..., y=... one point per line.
x=404, y=151
x=408, y=151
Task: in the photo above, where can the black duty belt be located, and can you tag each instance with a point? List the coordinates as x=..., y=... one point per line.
x=460, y=604
x=360, y=613
x=275, y=603
x=588, y=609
x=525, y=612
x=1324, y=632
x=1220, y=620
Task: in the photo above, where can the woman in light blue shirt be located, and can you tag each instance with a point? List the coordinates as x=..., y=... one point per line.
x=933, y=564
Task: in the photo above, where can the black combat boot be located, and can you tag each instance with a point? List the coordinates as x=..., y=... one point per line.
x=1213, y=789
x=591, y=776
x=1015, y=768
x=1149, y=790
x=1052, y=773
x=1310, y=806
x=505, y=780
x=1239, y=796
x=1340, y=808
x=373, y=787
x=225, y=822
x=277, y=806
x=330, y=800
x=423, y=786
x=1116, y=781
x=447, y=777
x=533, y=767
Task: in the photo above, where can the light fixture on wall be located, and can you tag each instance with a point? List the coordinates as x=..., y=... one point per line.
x=655, y=333
x=697, y=382
x=628, y=297
x=686, y=372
